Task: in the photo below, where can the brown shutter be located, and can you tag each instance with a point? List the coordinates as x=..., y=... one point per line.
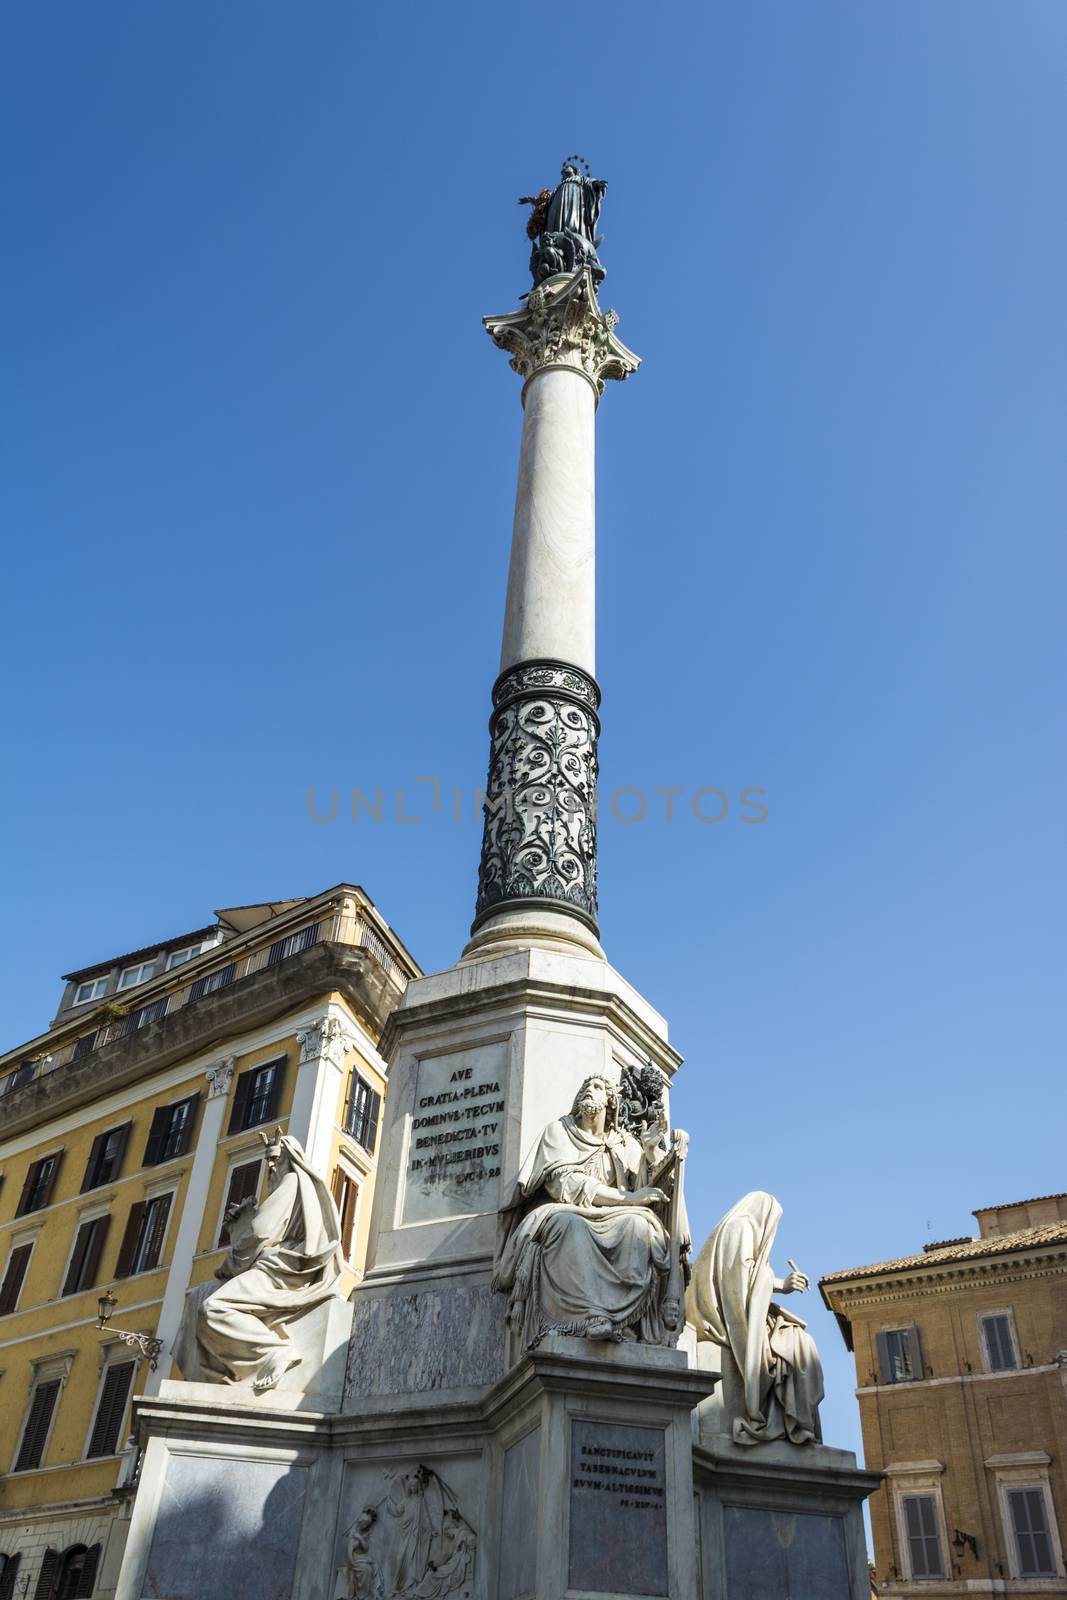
x=49, y=1576
x=27, y=1185
x=239, y=1109
x=244, y=1182
x=37, y=1424
x=348, y=1217
x=49, y=1188
x=276, y=1088
x=158, y=1212
x=337, y=1188
x=8, y=1576
x=112, y=1408
x=14, y=1277
x=90, y=1180
x=77, y=1258
x=193, y=1102
x=87, y=1577
x=373, y=1113
x=91, y=1270
x=128, y=1247
x=120, y=1151
x=157, y=1134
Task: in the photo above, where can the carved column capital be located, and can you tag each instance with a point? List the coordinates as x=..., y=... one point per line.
x=219, y=1077
x=327, y=1040
x=562, y=325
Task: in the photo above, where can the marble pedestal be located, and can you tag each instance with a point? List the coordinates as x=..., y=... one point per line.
x=482, y=1056
x=778, y=1521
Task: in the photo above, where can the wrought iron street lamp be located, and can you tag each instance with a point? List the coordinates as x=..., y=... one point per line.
x=150, y=1347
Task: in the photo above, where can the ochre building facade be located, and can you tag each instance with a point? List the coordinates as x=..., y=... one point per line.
x=126, y=1130
x=961, y=1371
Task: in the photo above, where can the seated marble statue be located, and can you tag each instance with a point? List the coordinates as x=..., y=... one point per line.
x=584, y=1251
x=284, y=1259
x=730, y=1303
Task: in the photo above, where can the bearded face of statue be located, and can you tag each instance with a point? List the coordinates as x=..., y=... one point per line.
x=591, y=1106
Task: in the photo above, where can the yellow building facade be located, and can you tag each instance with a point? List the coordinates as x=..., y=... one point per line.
x=961, y=1372
x=126, y=1131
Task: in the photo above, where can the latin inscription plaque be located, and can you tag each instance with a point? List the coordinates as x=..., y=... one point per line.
x=456, y=1126
x=618, y=1535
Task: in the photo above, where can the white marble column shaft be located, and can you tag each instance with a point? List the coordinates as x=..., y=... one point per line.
x=551, y=608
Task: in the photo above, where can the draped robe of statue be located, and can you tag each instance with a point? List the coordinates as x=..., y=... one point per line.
x=729, y=1301
x=567, y=1261
x=575, y=206
x=284, y=1259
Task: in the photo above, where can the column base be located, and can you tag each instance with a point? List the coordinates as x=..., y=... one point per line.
x=531, y=927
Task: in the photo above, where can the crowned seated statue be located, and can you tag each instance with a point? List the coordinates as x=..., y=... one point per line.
x=591, y=1245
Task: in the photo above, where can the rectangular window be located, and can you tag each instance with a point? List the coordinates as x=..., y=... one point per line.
x=361, y=1113
x=171, y=1132
x=244, y=1185
x=346, y=1198
x=91, y=989
x=999, y=1344
x=257, y=1095
x=106, y=1156
x=115, y=1389
x=8, y=1574
x=142, y=1243
x=83, y=1046
x=39, y=1182
x=899, y=1355
x=38, y=1423
x=1033, y=1541
x=85, y=1257
x=303, y=939
x=22, y=1074
x=924, y=1542
x=136, y=974
x=14, y=1277
x=212, y=981
x=178, y=958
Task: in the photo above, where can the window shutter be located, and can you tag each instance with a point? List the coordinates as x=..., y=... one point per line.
x=244, y=1182
x=14, y=1277
x=158, y=1212
x=239, y=1108
x=276, y=1089
x=157, y=1136
x=8, y=1576
x=114, y=1394
x=373, y=1111
x=49, y=1575
x=128, y=1247
x=77, y=1257
x=50, y=1182
x=27, y=1189
x=348, y=1218
x=38, y=1422
x=92, y=1166
x=91, y=1266
x=118, y=1155
x=885, y=1365
x=337, y=1188
x=87, y=1577
x=193, y=1102
x=915, y=1350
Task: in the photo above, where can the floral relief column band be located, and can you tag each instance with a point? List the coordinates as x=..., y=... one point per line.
x=539, y=839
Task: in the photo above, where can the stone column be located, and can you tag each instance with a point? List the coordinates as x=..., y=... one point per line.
x=537, y=879
x=324, y=1045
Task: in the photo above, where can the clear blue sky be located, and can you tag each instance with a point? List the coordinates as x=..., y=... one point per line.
x=260, y=468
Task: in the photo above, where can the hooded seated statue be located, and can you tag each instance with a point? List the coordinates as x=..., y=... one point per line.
x=729, y=1301
x=584, y=1251
x=283, y=1260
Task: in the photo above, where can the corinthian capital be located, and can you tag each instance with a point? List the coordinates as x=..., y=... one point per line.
x=328, y=1039
x=562, y=325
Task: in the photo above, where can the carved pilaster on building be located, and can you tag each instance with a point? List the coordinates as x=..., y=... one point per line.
x=539, y=838
x=562, y=325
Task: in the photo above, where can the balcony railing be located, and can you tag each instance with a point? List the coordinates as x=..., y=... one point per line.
x=342, y=927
